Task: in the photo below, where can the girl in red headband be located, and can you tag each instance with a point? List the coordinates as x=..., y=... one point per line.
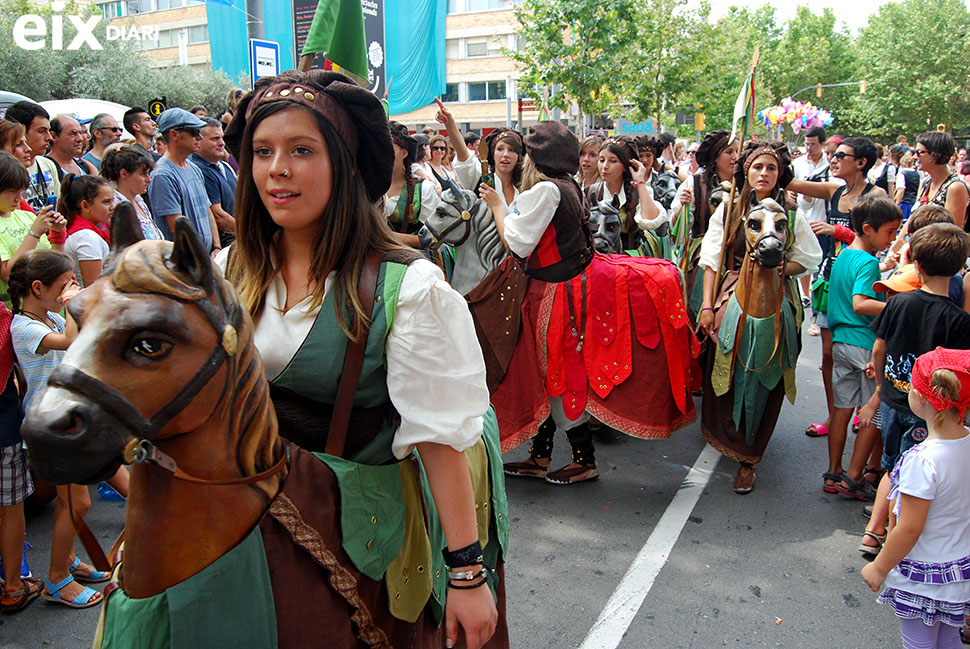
x=925, y=563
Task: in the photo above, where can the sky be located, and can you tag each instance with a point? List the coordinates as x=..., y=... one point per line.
x=855, y=13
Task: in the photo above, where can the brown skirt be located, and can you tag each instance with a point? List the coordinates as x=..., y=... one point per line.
x=322, y=600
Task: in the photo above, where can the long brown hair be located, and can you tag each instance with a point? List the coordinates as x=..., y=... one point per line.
x=402, y=138
x=350, y=228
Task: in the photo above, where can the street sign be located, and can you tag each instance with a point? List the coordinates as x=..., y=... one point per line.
x=527, y=104
x=264, y=59
x=156, y=107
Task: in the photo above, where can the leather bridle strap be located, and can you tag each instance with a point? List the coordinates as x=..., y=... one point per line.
x=353, y=360
x=140, y=451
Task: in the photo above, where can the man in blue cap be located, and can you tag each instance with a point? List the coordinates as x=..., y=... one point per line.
x=178, y=186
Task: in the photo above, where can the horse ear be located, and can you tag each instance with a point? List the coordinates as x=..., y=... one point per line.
x=189, y=255
x=753, y=199
x=125, y=229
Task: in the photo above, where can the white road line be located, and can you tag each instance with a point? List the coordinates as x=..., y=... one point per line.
x=613, y=622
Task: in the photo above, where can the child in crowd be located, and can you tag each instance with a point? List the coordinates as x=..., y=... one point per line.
x=913, y=323
x=41, y=283
x=853, y=304
x=924, y=562
x=15, y=482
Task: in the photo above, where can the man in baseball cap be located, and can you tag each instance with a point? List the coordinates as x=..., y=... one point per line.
x=178, y=186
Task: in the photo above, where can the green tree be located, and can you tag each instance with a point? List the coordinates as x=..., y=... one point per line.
x=118, y=73
x=577, y=45
x=914, y=54
x=728, y=46
x=659, y=70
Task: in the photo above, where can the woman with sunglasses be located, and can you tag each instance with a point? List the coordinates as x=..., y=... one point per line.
x=941, y=186
x=849, y=165
x=439, y=153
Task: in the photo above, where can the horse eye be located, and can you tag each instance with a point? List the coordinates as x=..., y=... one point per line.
x=754, y=224
x=781, y=226
x=152, y=348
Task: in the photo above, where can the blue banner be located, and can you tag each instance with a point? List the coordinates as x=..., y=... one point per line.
x=415, y=38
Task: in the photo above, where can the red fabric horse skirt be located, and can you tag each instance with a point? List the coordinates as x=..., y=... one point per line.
x=634, y=369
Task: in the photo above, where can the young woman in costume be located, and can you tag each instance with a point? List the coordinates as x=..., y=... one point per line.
x=763, y=168
x=700, y=194
x=318, y=268
x=625, y=184
x=420, y=198
x=589, y=157
x=581, y=311
x=505, y=151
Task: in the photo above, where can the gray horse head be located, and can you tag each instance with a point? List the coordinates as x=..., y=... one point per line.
x=465, y=222
x=604, y=222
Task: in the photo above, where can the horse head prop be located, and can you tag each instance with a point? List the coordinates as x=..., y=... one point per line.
x=464, y=221
x=604, y=223
x=766, y=231
x=163, y=374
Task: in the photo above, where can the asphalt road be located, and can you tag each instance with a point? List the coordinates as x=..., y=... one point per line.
x=775, y=568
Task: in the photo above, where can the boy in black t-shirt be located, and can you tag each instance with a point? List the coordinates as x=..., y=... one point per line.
x=912, y=324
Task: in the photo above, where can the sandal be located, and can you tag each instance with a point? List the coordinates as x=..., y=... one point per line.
x=817, y=430
x=744, y=481
x=573, y=473
x=872, y=549
x=88, y=597
x=96, y=576
x=876, y=473
x=858, y=489
x=830, y=488
x=529, y=468
x=12, y=601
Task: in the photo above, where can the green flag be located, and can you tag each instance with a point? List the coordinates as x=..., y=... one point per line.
x=338, y=32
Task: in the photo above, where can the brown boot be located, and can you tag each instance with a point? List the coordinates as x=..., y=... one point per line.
x=583, y=467
x=744, y=481
x=540, y=454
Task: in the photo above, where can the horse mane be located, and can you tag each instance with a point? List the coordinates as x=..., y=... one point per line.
x=245, y=405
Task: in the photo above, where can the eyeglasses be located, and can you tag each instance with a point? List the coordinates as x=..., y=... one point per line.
x=191, y=132
x=114, y=129
x=921, y=151
x=439, y=148
x=841, y=155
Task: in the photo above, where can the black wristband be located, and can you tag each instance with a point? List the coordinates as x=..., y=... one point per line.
x=470, y=555
x=463, y=586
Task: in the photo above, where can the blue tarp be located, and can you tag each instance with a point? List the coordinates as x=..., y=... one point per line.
x=414, y=33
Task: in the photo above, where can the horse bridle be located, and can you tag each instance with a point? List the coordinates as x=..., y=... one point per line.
x=144, y=430
x=466, y=220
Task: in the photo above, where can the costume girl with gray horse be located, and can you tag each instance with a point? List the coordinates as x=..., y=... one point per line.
x=751, y=310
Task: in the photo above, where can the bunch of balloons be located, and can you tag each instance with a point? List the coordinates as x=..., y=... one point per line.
x=797, y=114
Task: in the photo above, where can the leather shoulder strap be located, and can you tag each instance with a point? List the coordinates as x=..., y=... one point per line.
x=353, y=361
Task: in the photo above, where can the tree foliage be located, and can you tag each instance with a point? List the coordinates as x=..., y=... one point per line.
x=577, y=45
x=118, y=73
x=915, y=56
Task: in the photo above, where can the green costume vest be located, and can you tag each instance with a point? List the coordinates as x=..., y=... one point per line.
x=388, y=518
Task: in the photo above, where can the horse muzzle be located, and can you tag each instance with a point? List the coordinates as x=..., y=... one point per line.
x=769, y=251
x=71, y=439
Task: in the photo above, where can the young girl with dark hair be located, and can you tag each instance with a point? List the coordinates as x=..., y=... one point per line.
x=41, y=283
x=626, y=186
x=409, y=201
x=326, y=283
x=88, y=201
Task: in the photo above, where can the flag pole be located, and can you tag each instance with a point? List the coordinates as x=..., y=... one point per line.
x=729, y=225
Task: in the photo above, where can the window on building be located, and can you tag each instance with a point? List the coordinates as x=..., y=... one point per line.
x=199, y=34
x=112, y=10
x=476, y=47
x=482, y=5
x=477, y=91
x=451, y=48
x=139, y=7
x=451, y=93
x=454, y=6
x=496, y=90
